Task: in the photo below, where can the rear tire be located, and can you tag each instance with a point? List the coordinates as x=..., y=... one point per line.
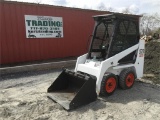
x=108, y=84
x=127, y=78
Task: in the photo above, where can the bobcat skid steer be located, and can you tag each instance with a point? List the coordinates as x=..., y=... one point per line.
x=115, y=57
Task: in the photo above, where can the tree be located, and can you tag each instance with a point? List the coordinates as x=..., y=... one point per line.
x=102, y=7
x=126, y=11
x=38, y=1
x=149, y=23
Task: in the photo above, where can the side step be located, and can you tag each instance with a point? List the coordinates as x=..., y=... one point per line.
x=72, y=90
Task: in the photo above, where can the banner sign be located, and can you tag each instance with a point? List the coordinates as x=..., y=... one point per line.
x=43, y=26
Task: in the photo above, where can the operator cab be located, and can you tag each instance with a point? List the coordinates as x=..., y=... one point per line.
x=113, y=33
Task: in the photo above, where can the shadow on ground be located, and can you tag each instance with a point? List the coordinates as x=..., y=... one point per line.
x=139, y=92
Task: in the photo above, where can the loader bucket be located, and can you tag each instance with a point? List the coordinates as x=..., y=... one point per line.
x=72, y=90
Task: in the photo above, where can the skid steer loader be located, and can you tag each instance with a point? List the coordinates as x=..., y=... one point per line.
x=115, y=57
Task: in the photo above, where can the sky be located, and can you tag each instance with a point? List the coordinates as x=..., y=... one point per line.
x=135, y=6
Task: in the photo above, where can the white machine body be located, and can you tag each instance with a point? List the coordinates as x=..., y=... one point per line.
x=111, y=65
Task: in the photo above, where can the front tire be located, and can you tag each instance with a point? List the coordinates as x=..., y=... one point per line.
x=127, y=78
x=108, y=85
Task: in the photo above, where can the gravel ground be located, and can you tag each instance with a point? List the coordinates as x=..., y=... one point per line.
x=23, y=97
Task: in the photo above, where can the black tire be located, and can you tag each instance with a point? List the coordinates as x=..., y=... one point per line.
x=127, y=78
x=108, y=84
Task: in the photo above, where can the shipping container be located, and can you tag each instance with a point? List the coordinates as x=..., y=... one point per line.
x=15, y=47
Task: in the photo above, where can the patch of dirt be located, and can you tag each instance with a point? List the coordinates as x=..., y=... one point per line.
x=25, y=98
x=152, y=61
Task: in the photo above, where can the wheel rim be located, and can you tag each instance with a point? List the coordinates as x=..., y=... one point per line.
x=110, y=85
x=130, y=80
